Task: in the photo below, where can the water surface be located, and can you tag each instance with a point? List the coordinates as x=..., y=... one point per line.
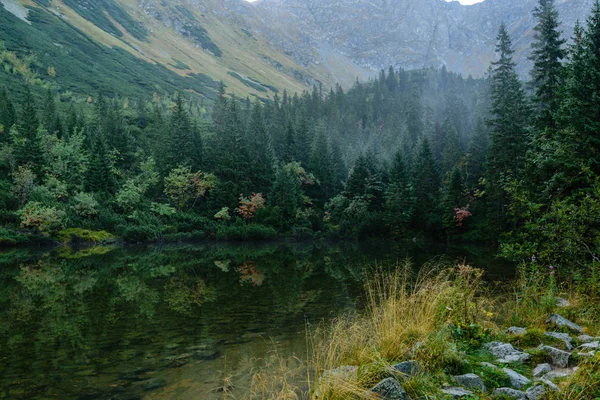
x=177, y=322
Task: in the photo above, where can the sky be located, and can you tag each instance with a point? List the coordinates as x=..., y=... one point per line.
x=465, y=2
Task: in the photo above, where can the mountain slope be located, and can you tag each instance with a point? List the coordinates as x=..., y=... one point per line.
x=409, y=33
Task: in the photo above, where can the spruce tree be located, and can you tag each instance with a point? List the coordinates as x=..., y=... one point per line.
x=321, y=167
x=50, y=118
x=399, y=197
x=509, y=112
x=27, y=142
x=262, y=156
x=426, y=183
x=99, y=176
x=546, y=56
x=8, y=114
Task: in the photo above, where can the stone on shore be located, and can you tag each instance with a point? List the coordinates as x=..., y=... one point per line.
x=506, y=353
x=390, y=389
x=407, y=368
x=457, y=393
x=559, y=321
x=560, y=358
x=515, y=330
x=541, y=369
x=512, y=393
x=470, y=381
x=535, y=392
x=517, y=380
x=565, y=337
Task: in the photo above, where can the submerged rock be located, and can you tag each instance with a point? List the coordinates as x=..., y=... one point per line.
x=457, y=393
x=517, y=380
x=512, y=393
x=407, y=368
x=560, y=358
x=470, y=381
x=390, y=389
x=559, y=321
x=542, y=369
x=153, y=384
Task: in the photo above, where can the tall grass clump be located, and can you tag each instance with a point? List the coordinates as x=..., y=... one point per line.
x=406, y=316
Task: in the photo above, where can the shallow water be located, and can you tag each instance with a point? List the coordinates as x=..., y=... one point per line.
x=177, y=322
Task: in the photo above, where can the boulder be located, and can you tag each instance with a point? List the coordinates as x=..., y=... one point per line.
x=560, y=358
x=390, y=389
x=559, y=373
x=457, y=393
x=517, y=380
x=512, y=393
x=586, y=338
x=506, y=353
x=470, y=381
x=561, y=322
x=407, y=368
x=590, y=346
x=565, y=337
x=515, y=330
x=535, y=392
x=541, y=369
x=550, y=384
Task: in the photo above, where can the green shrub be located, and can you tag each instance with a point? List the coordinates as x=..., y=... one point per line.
x=240, y=231
x=75, y=235
x=8, y=237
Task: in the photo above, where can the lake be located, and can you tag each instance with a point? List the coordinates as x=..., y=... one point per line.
x=178, y=322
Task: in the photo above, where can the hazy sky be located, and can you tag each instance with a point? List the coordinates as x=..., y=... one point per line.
x=461, y=1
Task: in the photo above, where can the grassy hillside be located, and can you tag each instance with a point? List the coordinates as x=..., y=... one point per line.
x=82, y=47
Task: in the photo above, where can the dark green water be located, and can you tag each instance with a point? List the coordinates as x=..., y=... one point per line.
x=174, y=322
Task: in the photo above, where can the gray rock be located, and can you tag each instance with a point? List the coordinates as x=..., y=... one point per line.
x=561, y=322
x=470, y=381
x=541, y=369
x=512, y=393
x=515, y=358
x=515, y=330
x=407, y=368
x=153, y=384
x=457, y=393
x=488, y=365
x=550, y=384
x=517, y=380
x=560, y=358
x=587, y=354
x=535, y=392
x=590, y=346
x=346, y=372
x=390, y=389
x=586, y=338
x=506, y=353
x=558, y=374
x=565, y=337
x=562, y=302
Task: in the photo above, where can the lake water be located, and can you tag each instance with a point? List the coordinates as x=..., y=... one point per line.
x=177, y=322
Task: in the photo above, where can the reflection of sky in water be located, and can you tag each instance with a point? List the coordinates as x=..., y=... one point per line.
x=170, y=322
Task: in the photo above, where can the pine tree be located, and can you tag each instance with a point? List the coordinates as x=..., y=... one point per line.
x=286, y=196
x=478, y=150
x=546, y=56
x=509, y=113
x=340, y=172
x=399, y=197
x=452, y=150
x=99, y=177
x=261, y=151
x=8, y=115
x=426, y=182
x=414, y=117
x=321, y=167
x=27, y=141
x=455, y=198
x=50, y=118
